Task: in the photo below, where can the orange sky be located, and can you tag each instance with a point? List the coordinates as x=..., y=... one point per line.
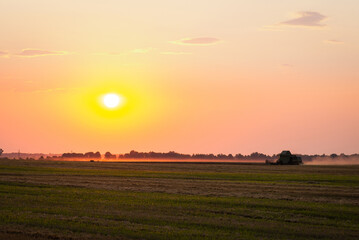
x=198, y=76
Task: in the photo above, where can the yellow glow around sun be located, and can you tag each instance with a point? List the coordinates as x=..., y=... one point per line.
x=114, y=105
x=112, y=100
x=114, y=108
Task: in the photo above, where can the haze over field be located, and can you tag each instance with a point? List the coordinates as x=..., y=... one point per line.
x=202, y=76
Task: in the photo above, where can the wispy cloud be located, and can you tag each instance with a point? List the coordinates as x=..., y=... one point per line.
x=4, y=54
x=333, y=41
x=125, y=53
x=142, y=50
x=306, y=19
x=176, y=53
x=109, y=53
x=197, y=41
x=301, y=19
x=287, y=65
x=49, y=90
x=38, y=53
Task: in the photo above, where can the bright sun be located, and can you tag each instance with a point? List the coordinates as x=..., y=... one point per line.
x=112, y=100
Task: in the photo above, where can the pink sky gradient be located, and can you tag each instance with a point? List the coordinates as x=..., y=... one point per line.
x=199, y=76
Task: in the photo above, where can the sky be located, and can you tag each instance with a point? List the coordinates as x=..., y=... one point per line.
x=204, y=76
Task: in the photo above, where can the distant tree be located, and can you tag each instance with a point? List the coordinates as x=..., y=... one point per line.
x=1, y=151
x=97, y=155
x=72, y=155
x=134, y=154
x=239, y=156
x=108, y=155
x=257, y=155
x=89, y=155
x=211, y=156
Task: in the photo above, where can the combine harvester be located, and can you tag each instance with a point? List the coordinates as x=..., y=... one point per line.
x=286, y=158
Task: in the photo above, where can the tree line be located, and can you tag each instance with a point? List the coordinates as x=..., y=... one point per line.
x=167, y=155
x=174, y=155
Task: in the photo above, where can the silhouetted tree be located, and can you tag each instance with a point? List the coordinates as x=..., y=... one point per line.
x=81, y=155
x=92, y=155
x=175, y=155
x=239, y=156
x=89, y=155
x=72, y=155
x=1, y=151
x=108, y=155
x=97, y=155
x=257, y=155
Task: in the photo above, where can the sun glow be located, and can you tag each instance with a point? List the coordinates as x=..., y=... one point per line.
x=112, y=100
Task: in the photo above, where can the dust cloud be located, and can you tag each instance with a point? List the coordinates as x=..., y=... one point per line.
x=333, y=161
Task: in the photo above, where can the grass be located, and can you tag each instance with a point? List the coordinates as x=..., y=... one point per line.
x=44, y=200
x=340, y=180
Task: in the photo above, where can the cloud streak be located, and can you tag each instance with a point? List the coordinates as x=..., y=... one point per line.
x=38, y=53
x=306, y=19
x=3, y=54
x=49, y=90
x=197, y=41
x=287, y=65
x=176, y=53
x=333, y=41
x=142, y=50
x=125, y=53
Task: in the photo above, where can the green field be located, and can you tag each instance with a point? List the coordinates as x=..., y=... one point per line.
x=83, y=200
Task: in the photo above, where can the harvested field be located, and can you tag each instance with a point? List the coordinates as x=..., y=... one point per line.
x=83, y=200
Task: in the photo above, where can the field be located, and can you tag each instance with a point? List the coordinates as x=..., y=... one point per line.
x=94, y=200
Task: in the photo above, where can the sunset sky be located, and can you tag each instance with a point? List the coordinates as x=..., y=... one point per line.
x=203, y=76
